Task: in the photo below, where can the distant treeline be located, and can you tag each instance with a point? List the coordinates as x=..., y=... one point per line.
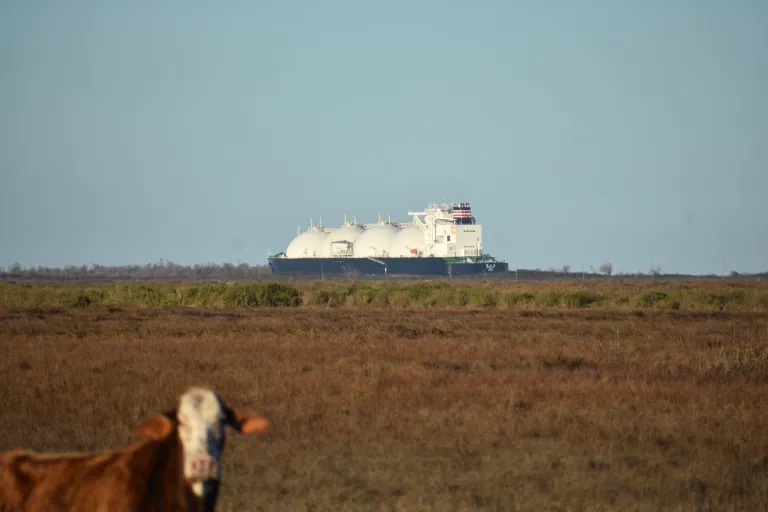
x=161, y=271
x=170, y=271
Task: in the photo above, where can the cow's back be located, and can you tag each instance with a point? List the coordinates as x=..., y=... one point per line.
x=35, y=483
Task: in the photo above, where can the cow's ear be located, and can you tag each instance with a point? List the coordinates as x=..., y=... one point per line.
x=246, y=422
x=155, y=427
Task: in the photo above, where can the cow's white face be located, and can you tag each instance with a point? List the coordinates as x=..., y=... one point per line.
x=201, y=431
x=201, y=418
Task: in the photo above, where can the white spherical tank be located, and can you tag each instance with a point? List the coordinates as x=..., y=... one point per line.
x=343, y=234
x=407, y=243
x=309, y=244
x=375, y=241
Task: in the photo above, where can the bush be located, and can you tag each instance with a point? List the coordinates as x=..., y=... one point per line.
x=549, y=299
x=726, y=298
x=512, y=299
x=269, y=295
x=650, y=298
x=482, y=297
x=580, y=299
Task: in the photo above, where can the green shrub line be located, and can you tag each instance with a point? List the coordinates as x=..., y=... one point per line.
x=419, y=294
x=235, y=295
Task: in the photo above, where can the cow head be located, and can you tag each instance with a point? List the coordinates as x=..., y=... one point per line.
x=200, y=420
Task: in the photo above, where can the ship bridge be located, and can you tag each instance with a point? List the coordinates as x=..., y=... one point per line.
x=449, y=231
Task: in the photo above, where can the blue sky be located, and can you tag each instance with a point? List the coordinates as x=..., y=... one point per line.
x=580, y=132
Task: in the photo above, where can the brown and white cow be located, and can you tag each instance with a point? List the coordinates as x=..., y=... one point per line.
x=175, y=467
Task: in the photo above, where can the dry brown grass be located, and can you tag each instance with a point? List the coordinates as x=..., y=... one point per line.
x=418, y=409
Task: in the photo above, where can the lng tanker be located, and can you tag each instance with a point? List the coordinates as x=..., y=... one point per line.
x=442, y=239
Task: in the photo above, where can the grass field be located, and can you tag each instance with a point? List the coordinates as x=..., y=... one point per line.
x=418, y=397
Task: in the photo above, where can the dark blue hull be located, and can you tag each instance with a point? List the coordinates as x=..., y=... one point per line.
x=382, y=266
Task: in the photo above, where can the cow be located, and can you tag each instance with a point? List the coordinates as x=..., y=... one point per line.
x=175, y=467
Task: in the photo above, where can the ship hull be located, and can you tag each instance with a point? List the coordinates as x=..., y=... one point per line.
x=384, y=266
